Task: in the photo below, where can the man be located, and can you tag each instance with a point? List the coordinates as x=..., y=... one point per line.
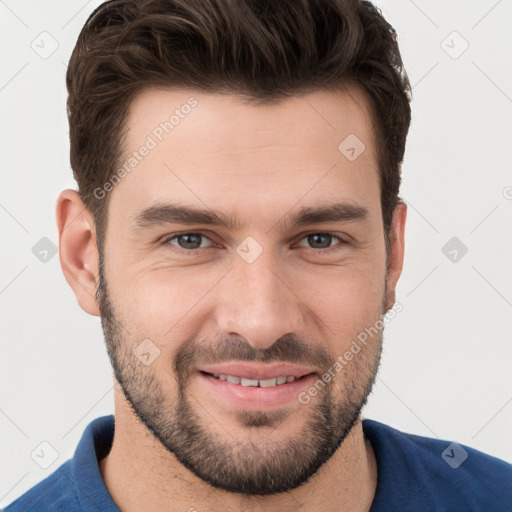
x=239, y=231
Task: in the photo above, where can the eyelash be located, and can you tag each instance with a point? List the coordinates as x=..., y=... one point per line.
x=197, y=252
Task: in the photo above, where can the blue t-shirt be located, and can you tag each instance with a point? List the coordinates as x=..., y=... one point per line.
x=415, y=474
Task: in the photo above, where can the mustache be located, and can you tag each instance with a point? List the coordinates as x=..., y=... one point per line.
x=287, y=349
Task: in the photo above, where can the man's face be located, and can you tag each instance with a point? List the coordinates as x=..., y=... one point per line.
x=264, y=291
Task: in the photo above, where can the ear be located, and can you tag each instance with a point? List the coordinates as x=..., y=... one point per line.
x=78, y=253
x=396, y=254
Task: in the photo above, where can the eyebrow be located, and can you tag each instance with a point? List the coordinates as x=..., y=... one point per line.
x=161, y=214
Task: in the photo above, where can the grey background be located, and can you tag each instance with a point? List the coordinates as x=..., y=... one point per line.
x=447, y=356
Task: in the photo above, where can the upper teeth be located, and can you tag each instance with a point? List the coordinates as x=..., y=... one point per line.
x=264, y=383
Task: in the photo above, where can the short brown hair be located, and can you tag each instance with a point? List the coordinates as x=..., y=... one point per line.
x=265, y=50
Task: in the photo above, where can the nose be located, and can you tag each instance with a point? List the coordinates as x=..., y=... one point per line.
x=259, y=303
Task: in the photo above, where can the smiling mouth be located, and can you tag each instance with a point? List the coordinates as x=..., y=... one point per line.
x=262, y=383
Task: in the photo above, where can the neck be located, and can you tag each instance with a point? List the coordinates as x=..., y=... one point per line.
x=141, y=475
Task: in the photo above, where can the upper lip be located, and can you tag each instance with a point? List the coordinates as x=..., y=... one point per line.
x=257, y=371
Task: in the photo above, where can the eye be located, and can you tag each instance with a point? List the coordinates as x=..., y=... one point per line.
x=321, y=239
x=192, y=242
x=188, y=241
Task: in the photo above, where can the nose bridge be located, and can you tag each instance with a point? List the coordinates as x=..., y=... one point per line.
x=258, y=303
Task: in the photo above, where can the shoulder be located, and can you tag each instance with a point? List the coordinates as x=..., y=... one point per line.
x=55, y=493
x=77, y=484
x=445, y=474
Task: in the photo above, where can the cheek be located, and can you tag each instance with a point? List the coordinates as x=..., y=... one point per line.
x=346, y=301
x=167, y=303
x=161, y=304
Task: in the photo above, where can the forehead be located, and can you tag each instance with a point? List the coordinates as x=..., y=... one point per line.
x=230, y=121
x=217, y=150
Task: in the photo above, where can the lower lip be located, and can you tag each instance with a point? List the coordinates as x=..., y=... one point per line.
x=253, y=397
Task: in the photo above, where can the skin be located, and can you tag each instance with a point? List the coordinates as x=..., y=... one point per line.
x=259, y=163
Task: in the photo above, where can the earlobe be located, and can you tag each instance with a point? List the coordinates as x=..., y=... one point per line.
x=77, y=249
x=396, y=256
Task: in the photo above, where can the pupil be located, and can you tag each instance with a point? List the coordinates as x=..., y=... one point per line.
x=190, y=244
x=317, y=236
